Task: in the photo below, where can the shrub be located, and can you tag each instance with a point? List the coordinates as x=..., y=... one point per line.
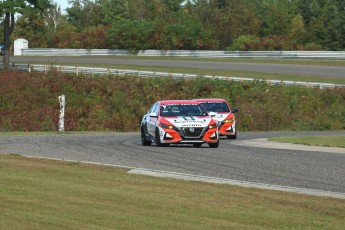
x=268, y=43
x=244, y=43
x=29, y=102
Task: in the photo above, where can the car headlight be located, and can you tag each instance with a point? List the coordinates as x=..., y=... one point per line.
x=165, y=126
x=212, y=126
x=229, y=120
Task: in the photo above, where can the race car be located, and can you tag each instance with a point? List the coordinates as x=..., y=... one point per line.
x=179, y=122
x=224, y=115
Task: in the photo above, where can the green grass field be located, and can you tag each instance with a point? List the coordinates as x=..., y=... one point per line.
x=328, y=141
x=46, y=194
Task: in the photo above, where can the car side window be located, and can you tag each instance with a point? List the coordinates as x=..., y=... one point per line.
x=151, y=110
x=156, y=109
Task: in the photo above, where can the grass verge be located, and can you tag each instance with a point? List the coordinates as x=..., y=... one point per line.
x=46, y=194
x=327, y=141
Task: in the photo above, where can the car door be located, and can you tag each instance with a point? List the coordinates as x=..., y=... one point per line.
x=152, y=119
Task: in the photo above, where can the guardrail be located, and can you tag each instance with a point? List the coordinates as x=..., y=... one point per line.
x=121, y=72
x=186, y=53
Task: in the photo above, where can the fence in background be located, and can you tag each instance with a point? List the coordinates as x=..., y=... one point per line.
x=120, y=72
x=187, y=53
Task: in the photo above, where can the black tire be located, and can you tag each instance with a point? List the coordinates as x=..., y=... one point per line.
x=144, y=141
x=214, y=145
x=232, y=136
x=197, y=145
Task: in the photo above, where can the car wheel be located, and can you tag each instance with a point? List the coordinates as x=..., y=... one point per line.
x=158, y=140
x=144, y=141
x=197, y=145
x=214, y=145
x=232, y=136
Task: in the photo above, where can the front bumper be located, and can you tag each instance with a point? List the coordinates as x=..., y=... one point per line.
x=189, y=135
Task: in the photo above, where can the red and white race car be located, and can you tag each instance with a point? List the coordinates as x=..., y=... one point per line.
x=179, y=122
x=224, y=115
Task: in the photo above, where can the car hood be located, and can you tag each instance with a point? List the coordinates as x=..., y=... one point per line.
x=189, y=121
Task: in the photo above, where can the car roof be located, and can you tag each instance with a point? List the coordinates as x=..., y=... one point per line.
x=210, y=100
x=168, y=102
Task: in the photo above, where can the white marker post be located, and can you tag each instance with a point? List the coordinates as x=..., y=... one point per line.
x=62, y=113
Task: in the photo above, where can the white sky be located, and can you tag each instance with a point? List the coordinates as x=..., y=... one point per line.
x=63, y=4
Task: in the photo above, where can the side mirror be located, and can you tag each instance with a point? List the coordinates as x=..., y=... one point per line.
x=212, y=114
x=234, y=110
x=153, y=115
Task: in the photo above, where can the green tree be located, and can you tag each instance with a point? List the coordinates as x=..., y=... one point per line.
x=11, y=7
x=189, y=35
x=134, y=35
x=33, y=28
x=85, y=13
x=139, y=9
x=115, y=11
x=163, y=10
x=228, y=19
x=275, y=16
x=297, y=31
x=334, y=23
x=325, y=22
x=341, y=20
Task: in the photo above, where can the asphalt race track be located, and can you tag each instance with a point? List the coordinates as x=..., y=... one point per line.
x=313, y=169
x=307, y=70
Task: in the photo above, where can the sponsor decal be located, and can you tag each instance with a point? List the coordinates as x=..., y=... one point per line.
x=189, y=120
x=193, y=125
x=213, y=102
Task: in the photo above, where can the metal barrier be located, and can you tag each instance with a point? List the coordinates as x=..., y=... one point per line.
x=187, y=53
x=121, y=72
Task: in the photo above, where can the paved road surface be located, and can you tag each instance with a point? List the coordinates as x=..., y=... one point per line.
x=308, y=70
x=233, y=160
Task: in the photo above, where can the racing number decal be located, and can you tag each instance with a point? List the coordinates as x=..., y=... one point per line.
x=189, y=118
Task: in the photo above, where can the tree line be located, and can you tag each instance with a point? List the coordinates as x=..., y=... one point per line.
x=187, y=24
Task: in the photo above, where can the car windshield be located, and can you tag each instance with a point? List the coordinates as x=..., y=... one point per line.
x=216, y=107
x=182, y=110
